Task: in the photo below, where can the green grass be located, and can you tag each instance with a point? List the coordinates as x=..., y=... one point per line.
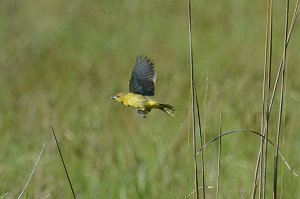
x=60, y=61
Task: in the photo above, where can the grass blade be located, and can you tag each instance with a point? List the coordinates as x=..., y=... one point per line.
x=201, y=144
x=193, y=99
x=32, y=172
x=281, y=101
x=219, y=148
x=252, y=132
x=63, y=162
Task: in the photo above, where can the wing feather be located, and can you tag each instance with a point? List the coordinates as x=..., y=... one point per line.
x=143, y=77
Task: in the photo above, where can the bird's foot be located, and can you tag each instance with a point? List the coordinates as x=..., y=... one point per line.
x=142, y=113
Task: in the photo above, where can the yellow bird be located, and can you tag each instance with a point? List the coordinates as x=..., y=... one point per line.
x=141, y=86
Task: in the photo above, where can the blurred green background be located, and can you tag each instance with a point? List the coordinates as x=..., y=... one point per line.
x=60, y=61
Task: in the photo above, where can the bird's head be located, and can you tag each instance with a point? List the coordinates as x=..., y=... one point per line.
x=119, y=97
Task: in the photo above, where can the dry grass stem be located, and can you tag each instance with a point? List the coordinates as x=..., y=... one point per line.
x=204, y=110
x=296, y=11
x=201, y=144
x=262, y=155
x=219, y=148
x=63, y=162
x=206, y=187
x=188, y=147
x=281, y=101
x=265, y=127
x=283, y=140
x=47, y=196
x=32, y=172
x=3, y=195
x=193, y=99
x=252, y=132
x=266, y=84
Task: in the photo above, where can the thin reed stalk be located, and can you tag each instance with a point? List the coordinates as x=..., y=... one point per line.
x=193, y=100
x=207, y=187
x=281, y=100
x=267, y=115
x=32, y=172
x=271, y=101
x=63, y=162
x=264, y=122
x=187, y=158
x=204, y=110
x=283, y=140
x=219, y=148
x=201, y=144
x=295, y=15
x=256, y=173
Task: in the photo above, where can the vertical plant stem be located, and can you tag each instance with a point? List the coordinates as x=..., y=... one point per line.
x=219, y=148
x=268, y=86
x=261, y=153
x=204, y=109
x=255, y=181
x=64, y=165
x=193, y=100
x=296, y=11
x=281, y=101
x=278, y=139
x=187, y=158
x=201, y=145
x=283, y=140
x=260, y=157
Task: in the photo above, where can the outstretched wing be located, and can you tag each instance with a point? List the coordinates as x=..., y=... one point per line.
x=143, y=77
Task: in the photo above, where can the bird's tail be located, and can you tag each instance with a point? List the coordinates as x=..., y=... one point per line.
x=167, y=108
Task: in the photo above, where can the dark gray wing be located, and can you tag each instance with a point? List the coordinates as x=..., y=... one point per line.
x=143, y=77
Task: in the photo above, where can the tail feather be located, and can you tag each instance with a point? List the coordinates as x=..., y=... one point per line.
x=167, y=108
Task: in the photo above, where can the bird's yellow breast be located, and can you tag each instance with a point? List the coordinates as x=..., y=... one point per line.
x=138, y=101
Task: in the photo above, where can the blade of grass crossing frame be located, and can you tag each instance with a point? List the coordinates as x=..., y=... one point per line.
x=259, y=163
x=268, y=88
x=201, y=145
x=219, y=148
x=63, y=162
x=193, y=100
x=281, y=102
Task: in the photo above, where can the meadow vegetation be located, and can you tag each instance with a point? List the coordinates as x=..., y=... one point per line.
x=61, y=61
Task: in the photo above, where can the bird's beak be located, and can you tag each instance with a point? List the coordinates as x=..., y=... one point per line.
x=113, y=97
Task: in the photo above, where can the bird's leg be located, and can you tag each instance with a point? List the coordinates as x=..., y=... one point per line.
x=142, y=113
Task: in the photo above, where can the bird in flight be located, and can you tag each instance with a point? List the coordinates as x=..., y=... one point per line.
x=141, y=86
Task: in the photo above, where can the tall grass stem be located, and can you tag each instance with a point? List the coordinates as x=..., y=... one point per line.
x=193, y=100
x=32, y=172
x=219, y=147
x=281, y=101
x=63, y=162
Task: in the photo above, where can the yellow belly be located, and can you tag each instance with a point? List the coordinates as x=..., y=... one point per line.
x=139, y=101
